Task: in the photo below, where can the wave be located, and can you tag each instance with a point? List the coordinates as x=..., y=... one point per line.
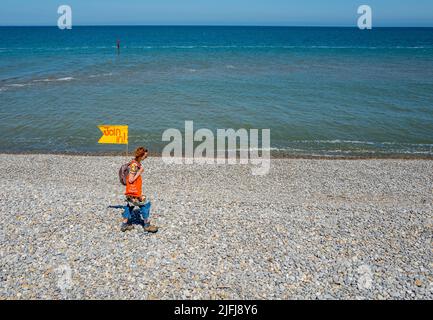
x=339, y=147
x=277, y=47
x=33, y=82
x=249, y=149
x=51, y=79
x=65, y=79
x=18, y=85
x=188, y=47
x=109, y=74
x=354, y=152
x=338, y=141
x=334, y=151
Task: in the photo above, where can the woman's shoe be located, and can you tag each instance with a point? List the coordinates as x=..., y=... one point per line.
x=150, y=228
x=126, y=227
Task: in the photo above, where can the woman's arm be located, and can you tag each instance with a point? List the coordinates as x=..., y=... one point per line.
x=132, y=177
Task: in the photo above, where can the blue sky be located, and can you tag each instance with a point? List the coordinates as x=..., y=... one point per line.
x=218, y=12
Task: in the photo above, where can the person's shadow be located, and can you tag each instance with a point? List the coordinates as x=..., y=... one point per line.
x=135, y=214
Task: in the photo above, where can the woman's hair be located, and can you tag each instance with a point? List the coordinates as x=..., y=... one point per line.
x=139, y=152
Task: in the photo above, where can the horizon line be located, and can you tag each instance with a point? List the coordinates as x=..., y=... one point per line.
x=215, y=25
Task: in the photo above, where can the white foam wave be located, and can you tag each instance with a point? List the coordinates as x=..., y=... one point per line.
x=333, y=152
x=186, y=47
x=65, y=79
x=249, y=149
x=277, y=47
x=52, y=79
x=109, y=74
x=338, y=141
x=42, y=80
x=16, y=85
x=33, y=82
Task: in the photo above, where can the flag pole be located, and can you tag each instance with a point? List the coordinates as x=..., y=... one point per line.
x=127, y=144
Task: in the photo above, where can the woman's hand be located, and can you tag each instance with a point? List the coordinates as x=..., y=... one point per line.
x=135, y=177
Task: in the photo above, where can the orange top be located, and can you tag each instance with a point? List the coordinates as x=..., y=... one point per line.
x=134, y=189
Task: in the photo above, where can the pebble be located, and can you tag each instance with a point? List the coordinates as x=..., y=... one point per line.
x=325, y=229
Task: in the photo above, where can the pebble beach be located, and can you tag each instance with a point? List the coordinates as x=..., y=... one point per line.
x=310, y=229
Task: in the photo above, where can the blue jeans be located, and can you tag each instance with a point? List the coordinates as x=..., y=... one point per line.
x=144, y=211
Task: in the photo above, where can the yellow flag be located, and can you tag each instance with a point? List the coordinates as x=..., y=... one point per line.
x=114, y=134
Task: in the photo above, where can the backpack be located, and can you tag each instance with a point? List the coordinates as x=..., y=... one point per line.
x=123, y=172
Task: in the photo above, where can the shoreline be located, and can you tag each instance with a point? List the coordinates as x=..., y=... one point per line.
x=274, y=155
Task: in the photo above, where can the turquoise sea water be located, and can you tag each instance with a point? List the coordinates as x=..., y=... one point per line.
x=321, y=91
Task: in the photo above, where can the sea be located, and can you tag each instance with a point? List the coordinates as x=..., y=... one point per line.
x=329, y=92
